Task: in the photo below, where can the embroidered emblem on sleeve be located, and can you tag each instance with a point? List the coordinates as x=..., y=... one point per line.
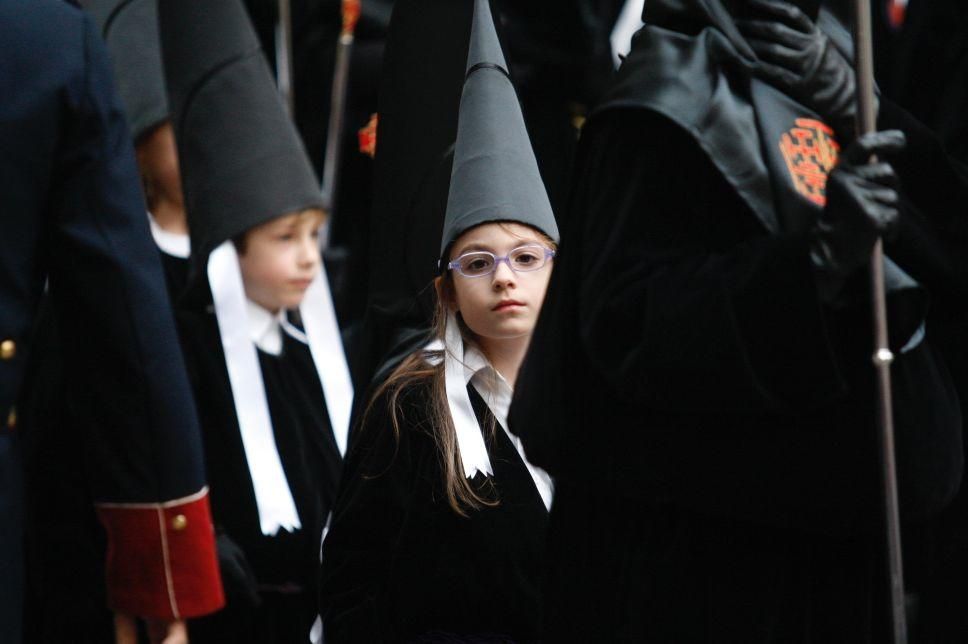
x=810, y=151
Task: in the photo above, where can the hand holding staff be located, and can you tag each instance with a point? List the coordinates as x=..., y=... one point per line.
x=794, y=54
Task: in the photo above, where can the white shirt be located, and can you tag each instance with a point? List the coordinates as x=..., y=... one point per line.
x=174, y=244
x=265, y=328
x=497, y=393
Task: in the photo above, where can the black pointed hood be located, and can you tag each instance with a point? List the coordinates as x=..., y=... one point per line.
x=130, y=29
x=495, y=175
x=241, y=159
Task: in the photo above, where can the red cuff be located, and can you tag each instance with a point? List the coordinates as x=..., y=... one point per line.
x=161, y=560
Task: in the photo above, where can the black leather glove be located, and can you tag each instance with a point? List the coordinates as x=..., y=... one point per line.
x=238, y=580
x=799, y=60
x=862, y=205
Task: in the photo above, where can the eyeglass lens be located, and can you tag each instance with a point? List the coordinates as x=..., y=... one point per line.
x=525, y=258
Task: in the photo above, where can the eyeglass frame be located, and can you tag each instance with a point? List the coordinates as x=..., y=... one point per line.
x=455, y=263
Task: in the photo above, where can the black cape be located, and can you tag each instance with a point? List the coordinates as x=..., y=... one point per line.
x=715, y=458
x=399, y=564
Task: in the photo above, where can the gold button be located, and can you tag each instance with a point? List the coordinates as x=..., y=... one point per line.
x=8, y=349
x=179, y=523
x=12, y=418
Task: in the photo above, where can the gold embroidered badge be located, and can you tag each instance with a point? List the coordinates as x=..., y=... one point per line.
x=810, y=151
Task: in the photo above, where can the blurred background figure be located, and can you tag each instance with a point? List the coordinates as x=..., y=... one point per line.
x=129, y=445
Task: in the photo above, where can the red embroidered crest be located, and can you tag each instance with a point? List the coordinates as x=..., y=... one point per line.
x=367, y=137
x=810, y=151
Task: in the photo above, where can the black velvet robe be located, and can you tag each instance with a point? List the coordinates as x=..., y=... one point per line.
x=310, y=460
x=399, y=565
x=715, y=453
x=176, y=271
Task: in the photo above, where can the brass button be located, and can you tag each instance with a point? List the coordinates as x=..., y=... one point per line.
x=8, y=349
x=12, y=418
x=179, y=523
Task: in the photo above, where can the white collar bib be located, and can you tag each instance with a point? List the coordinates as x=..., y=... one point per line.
x=265, y=327
x=468, y=365
x=497, y=394
x=240, y=336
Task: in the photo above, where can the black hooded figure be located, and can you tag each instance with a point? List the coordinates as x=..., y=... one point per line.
x=714, y=452
x=271, y=385
x=439, y=532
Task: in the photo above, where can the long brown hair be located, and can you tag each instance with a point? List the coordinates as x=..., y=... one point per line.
x=423, y=367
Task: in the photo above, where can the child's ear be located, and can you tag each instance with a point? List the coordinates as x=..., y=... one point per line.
x=445, y=294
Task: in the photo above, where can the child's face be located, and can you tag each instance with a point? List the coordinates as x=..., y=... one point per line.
x=504, y=304
x=280, y=259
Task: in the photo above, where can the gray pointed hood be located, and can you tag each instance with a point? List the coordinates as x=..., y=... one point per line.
x=130, y=29
x=242, y=161
x=495, y=175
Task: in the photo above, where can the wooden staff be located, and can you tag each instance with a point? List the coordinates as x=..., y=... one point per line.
x=866, y=122
x=337, y=107
x=284, y=55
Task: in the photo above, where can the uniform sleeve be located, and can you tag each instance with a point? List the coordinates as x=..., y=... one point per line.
x=359, y=549
x=122, y=356
x=685, y=302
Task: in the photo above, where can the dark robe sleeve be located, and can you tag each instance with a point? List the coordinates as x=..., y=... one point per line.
x=684, y=304
x=370, y=514
x=122, y=356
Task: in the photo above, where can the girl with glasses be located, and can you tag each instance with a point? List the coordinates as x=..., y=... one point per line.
x=439, y=530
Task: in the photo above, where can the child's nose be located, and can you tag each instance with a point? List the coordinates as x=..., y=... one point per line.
x=309, y=251
x=503, y=274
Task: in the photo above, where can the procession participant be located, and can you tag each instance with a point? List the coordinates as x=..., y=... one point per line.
x=74, y=217
x=714, y=452
x=260, y=336
x=130, y=30
x=439, y=531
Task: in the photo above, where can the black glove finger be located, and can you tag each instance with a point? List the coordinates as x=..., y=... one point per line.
x=887, y=220
x=773, y=32
x=878, y=174
x=884, y=196
x=881, y=144
x=784, y=12
x=777, y=76
x=779, y=56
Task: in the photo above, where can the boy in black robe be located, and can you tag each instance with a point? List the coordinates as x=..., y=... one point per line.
x=260, y=336
x=715, y=458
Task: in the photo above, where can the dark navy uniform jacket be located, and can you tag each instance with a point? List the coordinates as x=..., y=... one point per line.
x=72, y=216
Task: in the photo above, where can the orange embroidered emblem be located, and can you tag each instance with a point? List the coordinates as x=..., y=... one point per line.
x=367, y=137
x=810, y=151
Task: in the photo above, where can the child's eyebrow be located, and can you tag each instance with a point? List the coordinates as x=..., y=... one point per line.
x=474, y=246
